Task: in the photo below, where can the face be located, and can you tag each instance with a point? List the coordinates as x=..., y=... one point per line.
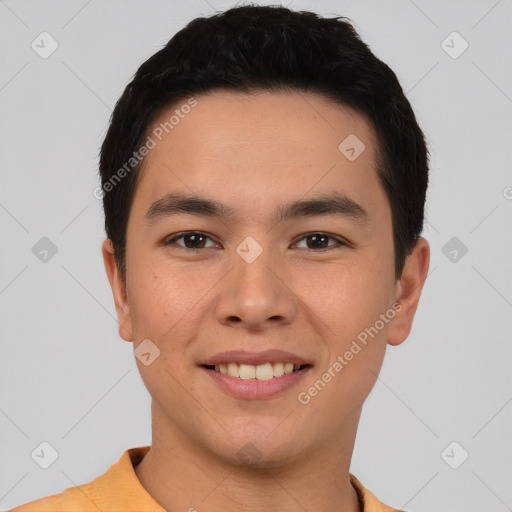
x=243, y=270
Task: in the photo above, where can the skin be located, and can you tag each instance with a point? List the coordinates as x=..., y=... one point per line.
x=254, y=153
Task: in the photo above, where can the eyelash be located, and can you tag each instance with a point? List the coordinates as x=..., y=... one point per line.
x=169, y=241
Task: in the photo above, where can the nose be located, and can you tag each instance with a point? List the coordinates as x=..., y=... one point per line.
x=256, y=295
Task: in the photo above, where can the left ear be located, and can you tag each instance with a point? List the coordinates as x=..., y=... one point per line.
x=409, y=290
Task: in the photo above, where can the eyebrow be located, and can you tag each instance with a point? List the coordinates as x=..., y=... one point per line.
x=332, y=204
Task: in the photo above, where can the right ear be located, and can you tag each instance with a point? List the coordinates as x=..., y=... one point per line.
x=118, y=290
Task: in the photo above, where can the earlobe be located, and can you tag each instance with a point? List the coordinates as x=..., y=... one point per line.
x=409, y=291
x=118, y=287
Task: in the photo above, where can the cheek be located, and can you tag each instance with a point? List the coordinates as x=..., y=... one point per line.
x=164, y=301
x=347, y=298
x=348, y=305
x=167, y=308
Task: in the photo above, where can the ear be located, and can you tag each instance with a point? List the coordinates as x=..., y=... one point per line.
x=118, y=290
x=408, y=291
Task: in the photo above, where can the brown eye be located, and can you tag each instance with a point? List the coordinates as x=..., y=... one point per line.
x=320, y=241
x=191, y=240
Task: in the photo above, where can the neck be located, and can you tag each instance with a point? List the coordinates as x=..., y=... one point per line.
x=180, y=475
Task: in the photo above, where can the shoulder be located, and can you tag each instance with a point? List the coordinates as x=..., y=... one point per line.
x=368, y=501
x=73, y=499
x=116, y=489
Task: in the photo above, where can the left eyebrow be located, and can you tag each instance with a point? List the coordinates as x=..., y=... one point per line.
x=332, y=204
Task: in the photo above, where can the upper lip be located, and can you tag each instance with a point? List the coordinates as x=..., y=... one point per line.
x=254, y=358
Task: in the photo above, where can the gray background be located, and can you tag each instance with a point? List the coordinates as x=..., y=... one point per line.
x=68, y=379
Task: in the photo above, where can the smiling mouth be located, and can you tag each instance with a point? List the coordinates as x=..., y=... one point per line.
x=265, y=371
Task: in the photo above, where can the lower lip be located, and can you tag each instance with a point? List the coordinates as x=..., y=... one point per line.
x=254, y=389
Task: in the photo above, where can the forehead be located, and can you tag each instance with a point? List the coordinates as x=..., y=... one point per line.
x=251, y=150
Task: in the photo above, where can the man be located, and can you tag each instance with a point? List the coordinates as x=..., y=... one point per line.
x=263, y=180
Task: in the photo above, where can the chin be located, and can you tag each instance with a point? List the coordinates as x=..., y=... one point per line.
x=259, y=446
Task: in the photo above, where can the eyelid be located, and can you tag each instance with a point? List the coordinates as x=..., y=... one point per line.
x=340, y=240
x=172, y=239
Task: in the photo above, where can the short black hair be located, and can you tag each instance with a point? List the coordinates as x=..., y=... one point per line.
x=270, y=48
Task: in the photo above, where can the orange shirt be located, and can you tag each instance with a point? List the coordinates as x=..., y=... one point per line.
x=119, y=489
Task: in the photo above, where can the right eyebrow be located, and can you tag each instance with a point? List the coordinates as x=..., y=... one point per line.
x=172, y=204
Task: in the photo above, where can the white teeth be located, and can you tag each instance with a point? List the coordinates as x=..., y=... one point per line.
x=278, y=369
x=233, y=370
x=265, y=371
x=288, y=368
x=247, y=371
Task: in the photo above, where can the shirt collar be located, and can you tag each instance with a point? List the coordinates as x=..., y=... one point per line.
x=122, y=477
